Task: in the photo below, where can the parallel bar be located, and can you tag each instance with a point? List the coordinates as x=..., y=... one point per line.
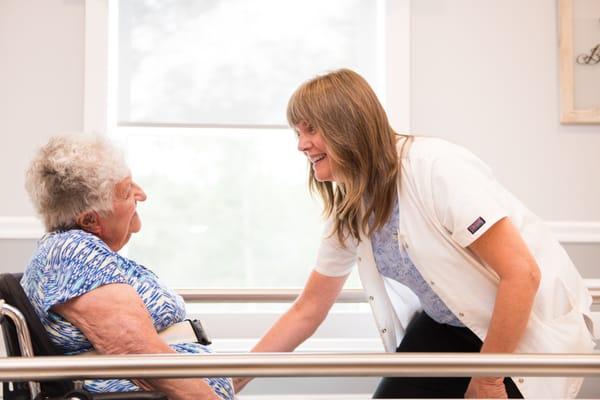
x=236, y=295
x=259, y=295
x=299, y=364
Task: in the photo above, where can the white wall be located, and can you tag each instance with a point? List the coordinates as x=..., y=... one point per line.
x=41, y=85
x=484, y=74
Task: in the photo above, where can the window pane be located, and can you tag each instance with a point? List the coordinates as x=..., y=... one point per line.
x=235, y=61
x=225, y=208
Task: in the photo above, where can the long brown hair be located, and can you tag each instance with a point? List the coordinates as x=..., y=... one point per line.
x=361, y=145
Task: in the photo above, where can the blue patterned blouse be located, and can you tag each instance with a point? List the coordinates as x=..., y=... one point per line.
x=71, y=263
x=394, y=262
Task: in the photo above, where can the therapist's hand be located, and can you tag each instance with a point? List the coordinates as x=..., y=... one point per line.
x=240, y=382
x=486, y=388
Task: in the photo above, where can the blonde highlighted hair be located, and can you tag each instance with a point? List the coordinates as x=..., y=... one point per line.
x=361, y=146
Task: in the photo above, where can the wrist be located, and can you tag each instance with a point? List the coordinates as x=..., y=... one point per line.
x=490, y=380
x=240, y=382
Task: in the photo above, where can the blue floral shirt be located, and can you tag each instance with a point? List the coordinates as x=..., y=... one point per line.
x=71, y=263
x=395, y=263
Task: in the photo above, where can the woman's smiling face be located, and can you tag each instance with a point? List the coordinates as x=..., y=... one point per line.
x=312, y=144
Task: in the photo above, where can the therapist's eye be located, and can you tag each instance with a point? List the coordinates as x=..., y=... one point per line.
x=304, y=127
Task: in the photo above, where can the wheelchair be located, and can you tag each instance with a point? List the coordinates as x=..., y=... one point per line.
x=25, y=336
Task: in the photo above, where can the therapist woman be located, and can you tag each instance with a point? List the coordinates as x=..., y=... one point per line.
x=450, y=261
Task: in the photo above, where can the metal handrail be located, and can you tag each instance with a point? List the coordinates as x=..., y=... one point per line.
x=30, y=368
x=236, y=295
x=239, y=295
x=24, y=337
x=299, y=364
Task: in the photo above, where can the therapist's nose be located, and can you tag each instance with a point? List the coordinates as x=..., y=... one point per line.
x=304, y=142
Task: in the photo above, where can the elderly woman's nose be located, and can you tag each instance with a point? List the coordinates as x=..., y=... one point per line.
x=140, y=195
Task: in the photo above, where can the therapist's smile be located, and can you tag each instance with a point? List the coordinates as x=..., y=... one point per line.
x=312, y=144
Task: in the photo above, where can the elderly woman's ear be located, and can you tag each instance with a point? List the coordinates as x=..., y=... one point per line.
x=89, y=222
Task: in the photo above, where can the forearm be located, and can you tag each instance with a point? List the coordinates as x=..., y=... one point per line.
x=503, y=249
x=175, y=389
x=302, y=319
x=291, y=330
x=116, y=321
x=304, y=316
x=285, y=335
x=514, y=301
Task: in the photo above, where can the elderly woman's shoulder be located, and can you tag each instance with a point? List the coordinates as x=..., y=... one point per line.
x=74, y=241
x=70, y=251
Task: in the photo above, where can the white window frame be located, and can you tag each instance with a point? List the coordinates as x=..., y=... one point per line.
x=97, y=118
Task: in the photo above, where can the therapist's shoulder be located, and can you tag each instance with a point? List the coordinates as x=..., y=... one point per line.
x=430, y=159
x=430, y=149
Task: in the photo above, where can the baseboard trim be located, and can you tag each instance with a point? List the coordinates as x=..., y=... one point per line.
x=28, y=227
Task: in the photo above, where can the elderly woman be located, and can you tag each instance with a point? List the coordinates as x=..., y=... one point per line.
x=87, y=296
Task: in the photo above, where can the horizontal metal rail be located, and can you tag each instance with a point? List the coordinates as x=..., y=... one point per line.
x=287, y=295
x=259, y=295
x=298, y=364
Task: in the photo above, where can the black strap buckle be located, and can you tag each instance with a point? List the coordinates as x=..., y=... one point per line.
x=201, y=334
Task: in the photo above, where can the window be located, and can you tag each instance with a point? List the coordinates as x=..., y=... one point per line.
x=198, y=96
x=236, y=62
x=226, y=207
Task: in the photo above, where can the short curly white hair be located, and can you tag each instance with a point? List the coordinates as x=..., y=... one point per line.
x=73, y=174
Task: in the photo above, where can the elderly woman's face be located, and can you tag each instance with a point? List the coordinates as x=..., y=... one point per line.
x=118, y=226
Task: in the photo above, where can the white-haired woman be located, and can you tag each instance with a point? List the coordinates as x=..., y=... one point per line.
x=87, y=296
x=429, y=215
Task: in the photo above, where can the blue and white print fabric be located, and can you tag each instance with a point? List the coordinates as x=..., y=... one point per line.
x=395, y=263
x=71, y=263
